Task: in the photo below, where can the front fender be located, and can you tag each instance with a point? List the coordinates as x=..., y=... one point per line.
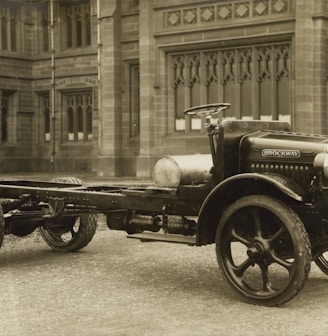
x=235, y=187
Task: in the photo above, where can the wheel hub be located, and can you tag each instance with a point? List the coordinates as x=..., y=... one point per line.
x=257, y=250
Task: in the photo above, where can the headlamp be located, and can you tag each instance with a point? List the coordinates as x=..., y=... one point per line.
x=321, y=163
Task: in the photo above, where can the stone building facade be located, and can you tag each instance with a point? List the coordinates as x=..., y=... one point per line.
x=100, y=85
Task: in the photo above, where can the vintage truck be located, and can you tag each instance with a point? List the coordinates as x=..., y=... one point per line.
x=260, y=196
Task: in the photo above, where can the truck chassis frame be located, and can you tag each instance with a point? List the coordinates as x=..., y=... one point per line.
x=266, y=227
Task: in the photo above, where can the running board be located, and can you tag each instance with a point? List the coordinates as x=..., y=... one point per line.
x=160, y=237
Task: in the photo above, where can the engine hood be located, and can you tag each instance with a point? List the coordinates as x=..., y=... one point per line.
x=283, y=146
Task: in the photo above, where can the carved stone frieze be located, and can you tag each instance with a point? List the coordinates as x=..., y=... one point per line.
x=223, y=12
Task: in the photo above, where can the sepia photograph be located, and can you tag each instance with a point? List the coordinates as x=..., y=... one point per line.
x=163, y=167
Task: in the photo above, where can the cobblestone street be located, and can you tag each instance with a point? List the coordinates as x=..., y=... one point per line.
x=122, y=287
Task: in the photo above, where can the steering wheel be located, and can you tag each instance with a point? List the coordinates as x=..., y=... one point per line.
x=206, y=110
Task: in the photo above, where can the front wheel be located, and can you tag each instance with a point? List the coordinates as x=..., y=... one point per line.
x=263, y=250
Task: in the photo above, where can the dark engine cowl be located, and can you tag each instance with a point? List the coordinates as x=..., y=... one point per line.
x=285, y=153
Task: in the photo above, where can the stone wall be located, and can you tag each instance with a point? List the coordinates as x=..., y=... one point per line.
x=131, y=36
x=310, y=113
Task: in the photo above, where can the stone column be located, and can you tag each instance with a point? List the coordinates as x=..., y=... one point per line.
x=110, y=95
x=320, y=25
x=311, y=66
x=147, y=56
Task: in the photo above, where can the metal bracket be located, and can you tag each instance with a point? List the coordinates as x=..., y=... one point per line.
x=56, y=207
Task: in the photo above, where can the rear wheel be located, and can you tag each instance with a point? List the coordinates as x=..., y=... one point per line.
x=70, y=233
x=263, y=250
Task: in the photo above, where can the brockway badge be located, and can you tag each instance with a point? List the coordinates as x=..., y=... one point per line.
x=281, y=153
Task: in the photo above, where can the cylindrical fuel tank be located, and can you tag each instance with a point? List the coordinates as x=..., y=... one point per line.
x=172, y=171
